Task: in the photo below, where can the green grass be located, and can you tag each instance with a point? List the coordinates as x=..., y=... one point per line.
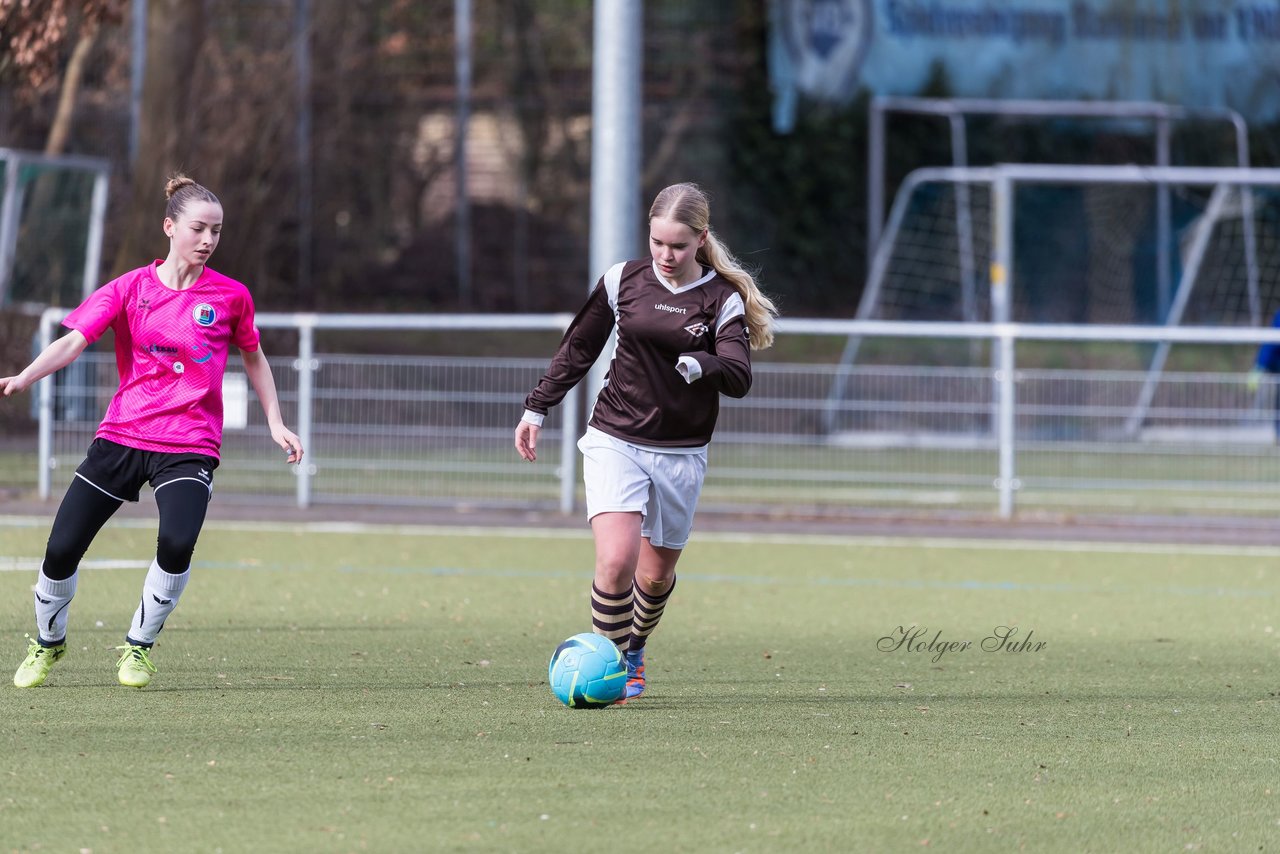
x=386, y=691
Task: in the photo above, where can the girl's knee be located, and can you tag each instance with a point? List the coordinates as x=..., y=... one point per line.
x=614, y=576
x=174, y=551
x=63, y=553
x=654, y=587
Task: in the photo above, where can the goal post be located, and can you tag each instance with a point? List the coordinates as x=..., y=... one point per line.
x=1074, y=244
x=1153, y=118
x=52, y=210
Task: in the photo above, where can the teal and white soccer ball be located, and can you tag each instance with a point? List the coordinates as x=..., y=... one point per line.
x=587, y=672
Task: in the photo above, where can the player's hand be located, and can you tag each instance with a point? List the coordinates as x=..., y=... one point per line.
x=527, y=440
x=1253, y=378
x=11, y=385
x=290, y=442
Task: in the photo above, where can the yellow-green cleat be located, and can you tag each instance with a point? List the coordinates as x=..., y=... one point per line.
x=135, y=666
x=40, y=660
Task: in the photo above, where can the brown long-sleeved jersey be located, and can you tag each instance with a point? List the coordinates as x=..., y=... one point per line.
x=645, y=399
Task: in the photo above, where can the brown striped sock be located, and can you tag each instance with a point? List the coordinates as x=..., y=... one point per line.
x=648, y=611
x=611, y=615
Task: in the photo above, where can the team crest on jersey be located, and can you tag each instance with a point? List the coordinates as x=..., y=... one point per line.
x=697, y=330
x=204, y=314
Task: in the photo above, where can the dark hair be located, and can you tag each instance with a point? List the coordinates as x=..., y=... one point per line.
x=182, y=191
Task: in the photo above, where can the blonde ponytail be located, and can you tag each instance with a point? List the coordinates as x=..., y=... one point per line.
x=686, y=203
x=759, y=308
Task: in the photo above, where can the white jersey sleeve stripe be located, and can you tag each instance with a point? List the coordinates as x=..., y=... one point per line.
x=612, y=281
x=733, y=307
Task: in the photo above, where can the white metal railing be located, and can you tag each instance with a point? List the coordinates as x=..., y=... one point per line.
x=306, y=364
x=383, y=429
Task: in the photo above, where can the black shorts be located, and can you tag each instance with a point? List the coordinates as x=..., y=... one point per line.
x=120, y=471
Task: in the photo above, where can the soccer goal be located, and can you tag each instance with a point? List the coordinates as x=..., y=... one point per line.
x=1136, y=119
x=51, y=219
x=1075, y=244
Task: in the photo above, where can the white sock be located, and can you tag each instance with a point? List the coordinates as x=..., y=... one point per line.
x=160, y=593
x=53, y=601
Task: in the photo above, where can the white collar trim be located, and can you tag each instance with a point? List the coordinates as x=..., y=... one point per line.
x=679, y=289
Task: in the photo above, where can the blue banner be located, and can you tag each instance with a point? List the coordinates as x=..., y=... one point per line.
x=1193, y=53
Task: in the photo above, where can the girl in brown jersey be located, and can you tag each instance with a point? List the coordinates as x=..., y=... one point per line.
x=687, y=319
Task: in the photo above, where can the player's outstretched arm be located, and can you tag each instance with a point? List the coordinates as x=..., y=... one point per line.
x=56, y=356
x=264, y=385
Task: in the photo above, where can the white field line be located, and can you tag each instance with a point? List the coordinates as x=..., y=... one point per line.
x=9, y=563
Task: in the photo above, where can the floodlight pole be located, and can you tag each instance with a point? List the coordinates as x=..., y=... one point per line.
x=137, y=71
x=462, y=70
x=302, y=142
x=615, y=149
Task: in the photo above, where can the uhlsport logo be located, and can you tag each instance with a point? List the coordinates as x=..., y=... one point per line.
x=827, y=41
x=204, y=314
x=662, y=306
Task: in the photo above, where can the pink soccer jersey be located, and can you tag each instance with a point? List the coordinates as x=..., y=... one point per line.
x=171, y=352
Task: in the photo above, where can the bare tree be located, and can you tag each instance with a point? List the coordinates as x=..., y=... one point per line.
x=35, y=33
x=175, y=36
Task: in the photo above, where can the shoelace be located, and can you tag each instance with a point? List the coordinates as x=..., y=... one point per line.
x=139, y=654
x=34, y=648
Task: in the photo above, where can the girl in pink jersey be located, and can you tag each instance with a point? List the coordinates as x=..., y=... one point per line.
x=687, y=319
x=175, y=322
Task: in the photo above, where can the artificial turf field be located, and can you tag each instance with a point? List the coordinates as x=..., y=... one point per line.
x=346, y=688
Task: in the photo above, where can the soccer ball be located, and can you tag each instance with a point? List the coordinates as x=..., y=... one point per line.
x=587, y=672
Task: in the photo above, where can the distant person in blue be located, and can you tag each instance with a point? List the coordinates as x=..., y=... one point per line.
x=1267, y=362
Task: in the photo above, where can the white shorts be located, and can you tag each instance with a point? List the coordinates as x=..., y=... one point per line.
x=663, y=487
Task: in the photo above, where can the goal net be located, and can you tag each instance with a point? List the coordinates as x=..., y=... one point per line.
x=1085, y=245
x=1113, y=248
